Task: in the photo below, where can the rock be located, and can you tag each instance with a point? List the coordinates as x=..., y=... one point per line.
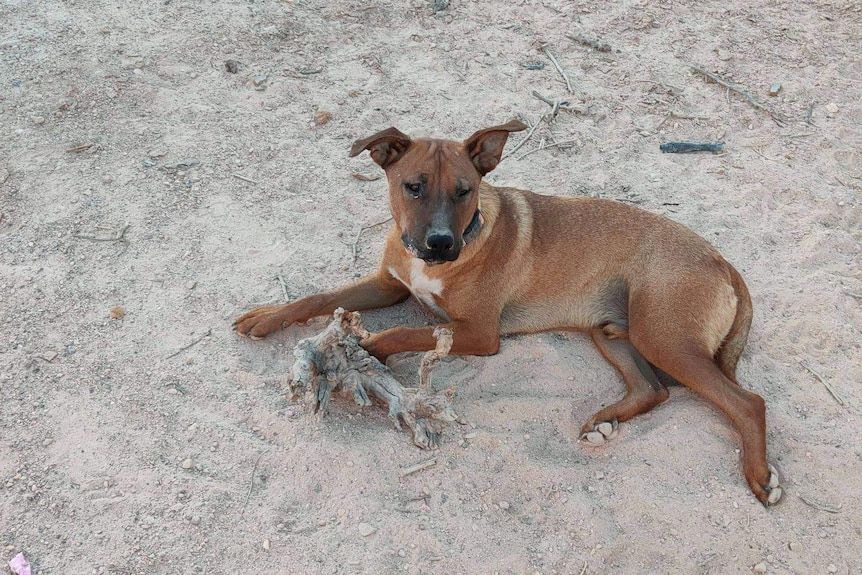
x=322, y=117
x=504, y=505
x=4, y=175
x=196, y=520
x=47, y=442
x=107, y=179
x=191, y=284
x=38, y=120
x=723, y=54
x=794, y=546
x=365, y=529
x=232, y=66
x=760, y=568
x=832, y=568
x=188, y=463
x=117, y=312
x=832, y=109
x=402, y=553
x=595, y=437
x=774, y=89
x=267, y=544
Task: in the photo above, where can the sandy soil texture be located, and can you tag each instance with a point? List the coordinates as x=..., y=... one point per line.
x=149, y=194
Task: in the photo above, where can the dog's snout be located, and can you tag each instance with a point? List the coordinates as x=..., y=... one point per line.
x=440, y=241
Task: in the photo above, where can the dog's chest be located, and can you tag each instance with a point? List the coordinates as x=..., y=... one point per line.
x=423, y=287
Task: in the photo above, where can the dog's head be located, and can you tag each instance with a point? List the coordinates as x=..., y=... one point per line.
x=434, y=185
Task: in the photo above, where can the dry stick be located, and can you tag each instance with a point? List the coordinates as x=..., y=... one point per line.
x=283, y=287
x=583, y=569
x=251, y=483
x=359, y=234
x=411, y=469
x=751, y=99
x=808, y=115
x=195, y=342
x=850, y=293
x=119, y=237
x=834, y=392
x=821, y=507
x=522, y=142
x=244, y=179
x=553, y=145
x=559, y=69
x=79, y=149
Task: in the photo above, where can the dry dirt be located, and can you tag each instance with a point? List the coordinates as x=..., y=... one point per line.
x=119, y=453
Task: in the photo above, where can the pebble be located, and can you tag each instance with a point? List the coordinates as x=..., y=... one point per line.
x=760, y=568
x=794, y=546
x=232, y=66
x=600, y=475
x=366, y=529
x=832, y=109
x=4, y=175
x=191, y=284
x=188, y=463
x=774, y=89
x=504, y=505
x=832, y=568
x=595, y=438
x=196, y=519
x=402, y=553
x=267, y=544
x=117, y=312
x=47, y=442
x=322, y=117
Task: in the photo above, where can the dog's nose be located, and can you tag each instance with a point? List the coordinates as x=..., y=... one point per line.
x=440, y=241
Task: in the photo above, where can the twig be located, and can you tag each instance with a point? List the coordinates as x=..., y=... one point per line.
x=79, y=149
x=2, y=215
x=762, y=155
x=281, y=282
x=730, y=86
x=251, y=483
x=244, y=179
x=850, y=293
x=821, y=507
x=583, y=569
x=359, y=234
x=809, y=113
x=800, y=135
x=559, y=69
x=834, y=392
x=553, y=145
x=411, y=469
x=195, y=342
x=120, y=236
x=522, y=142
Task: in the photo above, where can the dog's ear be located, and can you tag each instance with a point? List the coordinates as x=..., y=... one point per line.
x=385, y=147
x=486, y=146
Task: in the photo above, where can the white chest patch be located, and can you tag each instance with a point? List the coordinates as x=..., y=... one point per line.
x=421, y=286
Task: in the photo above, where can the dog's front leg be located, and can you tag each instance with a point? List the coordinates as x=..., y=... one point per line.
x=467, y=339
x=376, y=290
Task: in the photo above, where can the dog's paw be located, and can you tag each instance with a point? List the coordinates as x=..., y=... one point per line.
x=773, y=488
x=260, y=322
x=599, y=433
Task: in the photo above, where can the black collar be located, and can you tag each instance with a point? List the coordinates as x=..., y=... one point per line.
x=474, y=228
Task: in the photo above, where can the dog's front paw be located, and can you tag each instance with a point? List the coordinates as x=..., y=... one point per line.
x=599, y=433
x=260, y=322
x=768, y=493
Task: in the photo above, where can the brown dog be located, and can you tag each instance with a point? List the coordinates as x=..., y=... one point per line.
x=498, y=261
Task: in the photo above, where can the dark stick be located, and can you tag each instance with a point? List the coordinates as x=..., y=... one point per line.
x=251, y=484
x=733, y=87
x=685, y=147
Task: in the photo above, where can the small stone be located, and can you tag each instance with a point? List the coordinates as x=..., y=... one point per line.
x=402, y=553
x=365, y=529
x=322, y=117
x=196, y=520
x=595, y=438
x=832, y=568
x=260, y=80
x=267, y=544
x=38, y=120
x=760, y=568
x=117, y=312
x=188, y=463
x=605, y=428
x=723, y=54
x=794, y=546
x=600, y=475
x=47, y=442
x=191, y=284
x=832, y=109
x=4, y=175
x=504, y=505
x=232, y=66
x=774, y=89
x=674, y=533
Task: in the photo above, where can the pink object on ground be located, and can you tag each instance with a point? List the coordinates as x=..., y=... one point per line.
x=19, y=565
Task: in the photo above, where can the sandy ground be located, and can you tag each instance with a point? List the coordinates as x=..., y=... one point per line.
x=119, y=453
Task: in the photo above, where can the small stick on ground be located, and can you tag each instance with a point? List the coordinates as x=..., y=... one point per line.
x=79, y=149
x=583, y=569
x=593, y=43
x=850, y=293
x=195, y=342
x=552, y=145
x=244, y=179
x=283, y=285
x=120, y=236
x=820, y=506
x=416, y=468
x=359, y=234
x=559, y=69
x=834, y=392
x=809, y=113
x=431, y=358
x=251, y=483
x=742, y=92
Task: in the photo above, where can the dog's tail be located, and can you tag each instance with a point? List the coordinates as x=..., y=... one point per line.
x=731, y=348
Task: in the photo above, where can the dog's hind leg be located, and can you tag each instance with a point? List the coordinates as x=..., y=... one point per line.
x=643, y=389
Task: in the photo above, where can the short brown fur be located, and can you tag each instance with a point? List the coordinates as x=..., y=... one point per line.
x=650, y=292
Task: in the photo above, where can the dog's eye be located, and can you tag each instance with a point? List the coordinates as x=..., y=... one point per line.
x=414, y=190
x=463, y=193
